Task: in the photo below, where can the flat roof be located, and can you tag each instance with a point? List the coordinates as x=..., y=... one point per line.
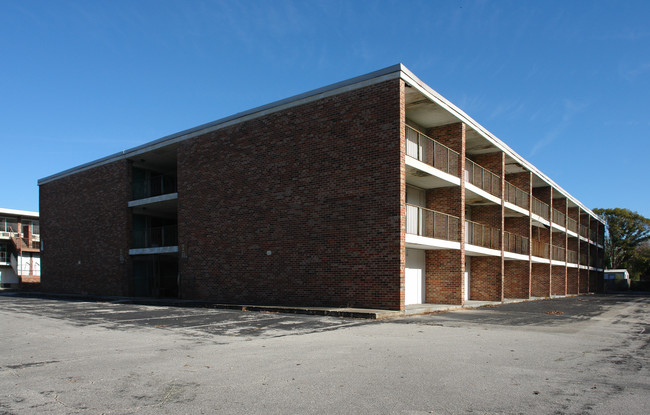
x=391, y=72
x=16, y=212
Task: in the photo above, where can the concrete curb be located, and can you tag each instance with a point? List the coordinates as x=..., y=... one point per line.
x=343, y=312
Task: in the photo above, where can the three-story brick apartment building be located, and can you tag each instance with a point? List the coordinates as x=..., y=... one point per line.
x=372, y=192
x=19, y=248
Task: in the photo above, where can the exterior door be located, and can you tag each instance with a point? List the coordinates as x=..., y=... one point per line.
x=467, y=276
x=414, y=275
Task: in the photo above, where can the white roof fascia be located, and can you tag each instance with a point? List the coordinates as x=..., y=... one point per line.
x=425, y=89
x=391, y=72
x=15, y=212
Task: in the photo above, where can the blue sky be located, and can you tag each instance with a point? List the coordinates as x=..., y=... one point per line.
x=566, y=84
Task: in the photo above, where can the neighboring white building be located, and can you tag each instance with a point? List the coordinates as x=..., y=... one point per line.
x=20, y=258
x=616, y=274
x=616, y=279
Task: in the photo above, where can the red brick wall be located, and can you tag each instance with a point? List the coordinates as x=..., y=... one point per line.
x=558, y=283
x=520, y=180
x=583, y=282
x=84, y=222
x=540, y=280
x=444, y=276
x=452, y=136
x=486, y=279
x=596, y=282
x=572, y=280
x=489, y=215
x=446, y=200
x=318, y=185
x=493, y=162
x=518, y=225
x=516, y=279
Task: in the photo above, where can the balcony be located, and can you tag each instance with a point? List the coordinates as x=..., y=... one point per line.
x=593, y=235
x=595, y=262
x=516, y=196
x=539, y=249
x=584, y=232
x=431, y=152
x=584, y=260
x=3, y=256
x=482, y=178
x=558, y=253
x=155, y=185
x=572, y=257
x=431, y=224
x=541, y=209
x=23, y=244
x=572, y=225
x=516, y=243
x=482, y=235
x=156, y=237
x=559, y=218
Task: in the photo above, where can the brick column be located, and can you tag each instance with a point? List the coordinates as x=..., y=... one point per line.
x=445, y=268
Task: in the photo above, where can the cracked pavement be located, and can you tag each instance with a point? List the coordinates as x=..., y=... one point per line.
x=569, y=355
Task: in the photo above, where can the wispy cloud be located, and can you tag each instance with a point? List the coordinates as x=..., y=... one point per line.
x=571, y=109
x=632, y=73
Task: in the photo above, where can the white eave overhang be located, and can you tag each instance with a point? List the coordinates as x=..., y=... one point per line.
x=16, y=212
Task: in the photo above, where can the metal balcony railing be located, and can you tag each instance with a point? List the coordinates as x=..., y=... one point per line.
x=593, y=235
x=515, y=243
x=426, y=222
x=541, y=209
x=601, y=239
x=584, y=231
x=584, y=259
x=482, y=235
x=3, y=256
x=431, y=152
x=558, y=253
x=155, y=186
x=482, y=178
x=572, y=225
x=559, y=217
x=539, y=249
x=156, y=237
x=571, y=256
x=515, y=195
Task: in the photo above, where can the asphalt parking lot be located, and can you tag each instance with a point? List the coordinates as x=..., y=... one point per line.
x=572, y=355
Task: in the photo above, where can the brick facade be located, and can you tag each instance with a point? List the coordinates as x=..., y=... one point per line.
x=303, y=202
x=517, y=281
x=85, y=231
x=317, y=186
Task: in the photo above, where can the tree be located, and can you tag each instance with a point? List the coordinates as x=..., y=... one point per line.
x=640, y=267
x=626, y=231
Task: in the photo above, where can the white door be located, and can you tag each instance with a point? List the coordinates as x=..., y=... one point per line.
x=414, y=284
x=466, y=276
